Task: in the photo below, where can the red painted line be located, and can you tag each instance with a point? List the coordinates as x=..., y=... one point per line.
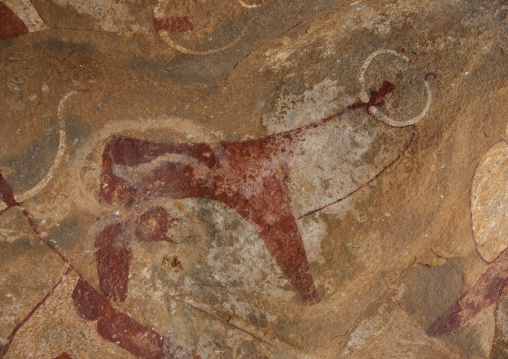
x=391, y=164
x=491, y=284
x=35, y=229
x=377, y=99
x=5, y=347
x=112, y=324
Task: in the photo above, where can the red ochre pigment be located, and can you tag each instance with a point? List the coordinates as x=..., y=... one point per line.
x=249, y=176
x=10, y=24
x=224, y=171
x=173, y=24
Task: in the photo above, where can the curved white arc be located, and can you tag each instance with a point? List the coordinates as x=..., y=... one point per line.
x=364, y=96
x=157, y=12
x=244, y=4
x=381, y=116
x=167, y=39
x=58, y=157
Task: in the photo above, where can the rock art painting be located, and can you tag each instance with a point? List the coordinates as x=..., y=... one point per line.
x=12, y=25
x=248, y=176
x=488, y=194
x=253, y=179
x=18, y=18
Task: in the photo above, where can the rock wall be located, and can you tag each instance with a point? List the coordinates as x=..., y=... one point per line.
x=210, y=179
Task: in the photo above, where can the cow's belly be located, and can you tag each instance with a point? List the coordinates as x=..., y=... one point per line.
x=335, y=159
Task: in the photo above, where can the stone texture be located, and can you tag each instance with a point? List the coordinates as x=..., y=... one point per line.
x=489, y=201
x=319, y=179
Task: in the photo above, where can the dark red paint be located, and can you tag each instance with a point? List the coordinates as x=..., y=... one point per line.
x=10, y=24
x=63, y=356
x=173, y=24
x=112, y=325
x=429, y=75
x=153, y=225
x=377, y=98
x=113, y=253
x=113, y=257
x=121, y=329
x=6, y=193
x=248, y=176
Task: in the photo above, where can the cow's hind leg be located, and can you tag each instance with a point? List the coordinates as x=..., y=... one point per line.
x=271, y=214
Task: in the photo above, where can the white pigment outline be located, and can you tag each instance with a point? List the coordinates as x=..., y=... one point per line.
x=364, y=97
x=167, y=38
x=58, y=157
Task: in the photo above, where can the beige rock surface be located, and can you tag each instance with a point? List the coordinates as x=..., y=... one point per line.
x=489, y=201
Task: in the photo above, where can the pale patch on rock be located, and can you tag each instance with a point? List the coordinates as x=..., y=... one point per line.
x=108, y=14
x=292, y=111
x=253, y=269
x=234, y=254
x=489, y=202
x=271, y=318
x=328, y=164
x=277, y=59
x=11, y=231
x=502, y=320
x=366, y=329
x=314, y=231
x=400, y=292
x=382, y=22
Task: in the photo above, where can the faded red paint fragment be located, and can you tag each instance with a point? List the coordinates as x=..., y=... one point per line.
x=153, y=225
x=63, y=356
x=10, y=24
x=6, y=193
x=173, y=24
x=119, y=328
x=487, y=289
x=248, y=176
x=504, y=290
x=112, y=325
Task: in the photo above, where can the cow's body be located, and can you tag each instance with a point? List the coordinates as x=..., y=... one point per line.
x=249, y=176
